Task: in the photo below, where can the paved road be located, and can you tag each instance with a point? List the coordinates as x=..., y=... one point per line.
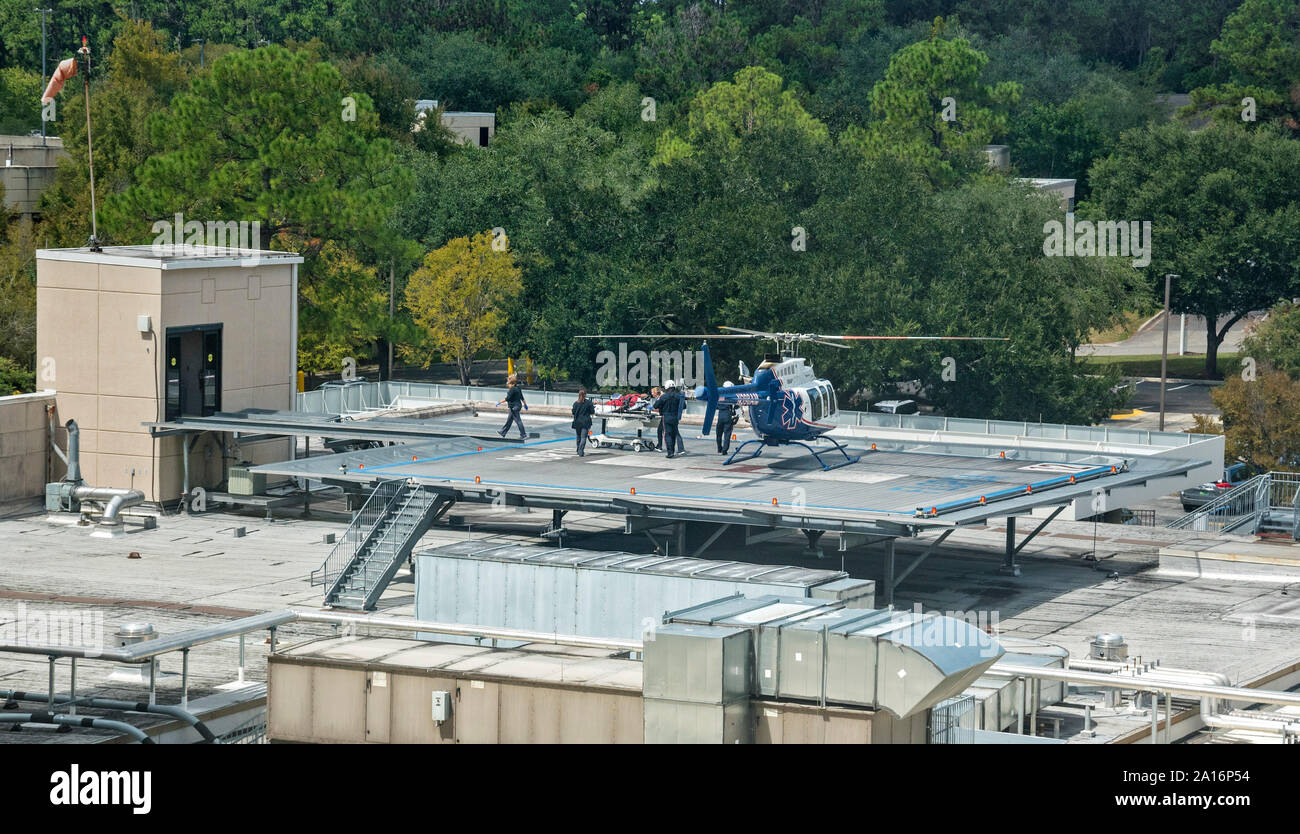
x=1150, y=336
x=1180, y=397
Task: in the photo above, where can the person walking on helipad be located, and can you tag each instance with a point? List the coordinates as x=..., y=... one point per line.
x=515, y=400
x=583, y=408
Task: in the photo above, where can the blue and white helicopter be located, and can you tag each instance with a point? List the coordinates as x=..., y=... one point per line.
x=787, y=402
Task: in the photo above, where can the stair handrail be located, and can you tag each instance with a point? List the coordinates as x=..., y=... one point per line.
x=421, y=500
x=363, y=523
x=1251, y=487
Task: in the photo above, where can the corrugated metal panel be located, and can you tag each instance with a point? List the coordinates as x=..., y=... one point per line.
x=573, y=591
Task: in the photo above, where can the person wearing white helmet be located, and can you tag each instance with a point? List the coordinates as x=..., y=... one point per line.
x=670, y=406
x=727, y=415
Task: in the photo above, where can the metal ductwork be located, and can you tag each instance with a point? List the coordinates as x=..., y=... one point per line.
x=69, y=494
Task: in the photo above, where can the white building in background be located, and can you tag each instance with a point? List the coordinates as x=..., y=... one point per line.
x=470, y=128
x=1063, y=189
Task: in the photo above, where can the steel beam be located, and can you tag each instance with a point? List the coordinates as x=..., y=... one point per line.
x=934, y=545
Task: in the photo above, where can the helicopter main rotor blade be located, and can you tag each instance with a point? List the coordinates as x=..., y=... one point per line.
x=921, y=338
x=831, y=344
x=664, y=336
x=752, y=333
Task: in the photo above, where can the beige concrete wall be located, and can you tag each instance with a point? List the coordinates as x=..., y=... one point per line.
x=310, y=701
x=24, y=446
x=110, y=377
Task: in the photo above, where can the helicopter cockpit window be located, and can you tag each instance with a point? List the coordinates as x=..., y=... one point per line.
x=828, y=399
x=815, y=401
x=832, y=400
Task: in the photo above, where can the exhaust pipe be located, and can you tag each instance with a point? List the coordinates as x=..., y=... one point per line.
x=113, y=500
x=74, y=453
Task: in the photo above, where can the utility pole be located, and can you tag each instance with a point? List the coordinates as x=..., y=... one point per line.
x=45, y=76
x=1164, y=352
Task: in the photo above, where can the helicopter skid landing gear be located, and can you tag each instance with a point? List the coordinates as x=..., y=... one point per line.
x=826, y=467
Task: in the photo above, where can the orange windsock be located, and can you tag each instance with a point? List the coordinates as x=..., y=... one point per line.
x=66, y=70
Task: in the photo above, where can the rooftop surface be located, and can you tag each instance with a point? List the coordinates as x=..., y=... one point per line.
x=170, y=257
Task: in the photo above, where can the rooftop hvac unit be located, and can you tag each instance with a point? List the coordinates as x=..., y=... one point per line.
x=242, y=481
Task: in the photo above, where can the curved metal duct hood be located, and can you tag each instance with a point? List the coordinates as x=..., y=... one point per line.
x=930, y=659
x=900, y=661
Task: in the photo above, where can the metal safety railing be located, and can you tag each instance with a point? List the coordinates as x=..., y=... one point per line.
x=364, y=396
x=372, y=512
x=953, y=721
x=392, y=541
x=1270, y=501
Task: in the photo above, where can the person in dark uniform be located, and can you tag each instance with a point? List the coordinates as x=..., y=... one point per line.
x=655, y=393
x=726, y=422
x=583, y=409
x=670, y=406
x=515, y=400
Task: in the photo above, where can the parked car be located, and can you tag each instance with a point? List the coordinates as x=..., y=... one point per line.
x=1198, y=496
x=895, y=407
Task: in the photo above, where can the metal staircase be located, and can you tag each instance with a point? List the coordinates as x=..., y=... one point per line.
x=380, y=537
x=1266, y=504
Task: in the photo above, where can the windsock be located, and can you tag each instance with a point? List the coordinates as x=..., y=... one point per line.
x=66, y=70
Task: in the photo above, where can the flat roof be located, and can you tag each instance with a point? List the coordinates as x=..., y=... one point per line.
x=171, y=257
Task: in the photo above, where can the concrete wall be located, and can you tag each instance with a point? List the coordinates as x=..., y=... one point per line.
x=24, y=446
x=110, y=377
x=28, y=165
x=309, y=701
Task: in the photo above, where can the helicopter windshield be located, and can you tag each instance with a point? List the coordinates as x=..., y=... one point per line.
x=815, y=401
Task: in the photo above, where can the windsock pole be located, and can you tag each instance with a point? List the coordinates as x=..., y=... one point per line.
x=90, y=154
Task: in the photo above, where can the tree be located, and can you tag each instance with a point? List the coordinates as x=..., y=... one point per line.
x=1223, y=213
x=458, y=294
x=689, y=50
x=1275, y=341
x=931, y=109
x=1260, y=46
x=343, y=310
x=272, y=136
x=1261, y=420
x=15, y=379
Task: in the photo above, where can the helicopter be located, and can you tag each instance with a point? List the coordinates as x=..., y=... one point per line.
x=787, y=402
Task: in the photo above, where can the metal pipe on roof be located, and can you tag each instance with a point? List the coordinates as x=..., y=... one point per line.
x=402, y=624
x=1148, y=684
x=1237, y=722
x=74, y=721
x=125, y=706
x=74, y=453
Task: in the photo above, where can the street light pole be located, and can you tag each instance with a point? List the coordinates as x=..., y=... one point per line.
x=44, y=75
x=1164, y=353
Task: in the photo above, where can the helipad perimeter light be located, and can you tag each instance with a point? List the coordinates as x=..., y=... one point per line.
x=477, y=479
x=873, y=447
x=983, y=500
x=1029, y=489
x=361, y=466
x=633, y=490
x=1003, y=454
x=479, y=449
x=774, y=502
x=413, y=457
x=1071, y=479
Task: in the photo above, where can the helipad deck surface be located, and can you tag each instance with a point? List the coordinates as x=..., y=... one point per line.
x=783, y=486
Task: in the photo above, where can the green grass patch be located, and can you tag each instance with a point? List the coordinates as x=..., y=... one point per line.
x=1124, y=328
x=1180, y=367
